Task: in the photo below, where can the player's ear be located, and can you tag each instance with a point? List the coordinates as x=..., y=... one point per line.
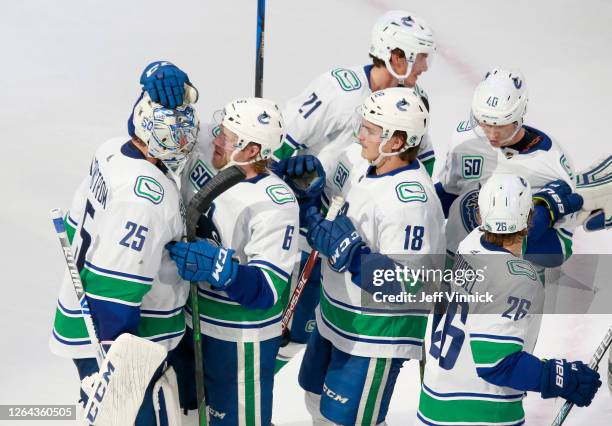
x=253, y=150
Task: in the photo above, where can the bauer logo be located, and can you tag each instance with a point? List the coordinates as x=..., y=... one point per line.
x=148, y=188
x=411, y=191
x=280, y=194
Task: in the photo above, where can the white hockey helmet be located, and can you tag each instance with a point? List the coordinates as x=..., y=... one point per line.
x=170, y=134
x=504, y=203
x=398, y=29
x=255, y=120
x=396, y=108
x=500, y=99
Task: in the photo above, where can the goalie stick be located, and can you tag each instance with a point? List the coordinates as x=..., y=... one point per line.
x=334, y=208
x=594, y=364
x=200, y=202
x=60, y=229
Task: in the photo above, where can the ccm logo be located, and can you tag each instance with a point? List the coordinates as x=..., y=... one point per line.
x=333, y=395
x=99, y=393
x=220, y=263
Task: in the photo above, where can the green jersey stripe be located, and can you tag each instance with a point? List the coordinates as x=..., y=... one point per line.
x=113, y=288
x=373, y=325
x=249, y=383
x=70, y=230
x=154, y=326
x=468, y=411
x=71, y=327
x=488, y=353
x=373, y=391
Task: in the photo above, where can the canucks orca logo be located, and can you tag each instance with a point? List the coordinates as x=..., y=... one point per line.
x=469, y=210
x=523, y=182
x=518, y=83
x=264, y=118
x=407, y=21
x=402, y=104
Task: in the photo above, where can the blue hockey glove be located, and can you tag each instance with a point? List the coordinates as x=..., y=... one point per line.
x=597, y=221
x=165, y=83
x=558, y=198
x=573, y=381
x=201, y=261
x=304, y=174
x=337, y=239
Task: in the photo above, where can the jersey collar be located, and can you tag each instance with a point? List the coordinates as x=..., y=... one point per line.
x=492, y=247
x=256, y=178
x=129, y=150
x=544, y=144
x=415, y=165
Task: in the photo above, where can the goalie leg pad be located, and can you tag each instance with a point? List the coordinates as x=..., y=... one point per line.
x=116, y=393
x=166, y=399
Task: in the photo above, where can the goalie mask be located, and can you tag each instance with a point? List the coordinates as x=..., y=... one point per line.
x=170, y=134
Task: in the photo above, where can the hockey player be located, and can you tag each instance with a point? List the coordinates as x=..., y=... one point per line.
x=355, y=353
x=122, y=215
x=242, y=263
x=495, y=138
x=479, y=363
x=320, y=124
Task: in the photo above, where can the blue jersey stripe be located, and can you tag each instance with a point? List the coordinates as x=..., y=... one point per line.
x=169, y=336
x=269, y=265
x=426, y=154
x=160, y=312
x=471, y=394
x=68, y=311
x=376, y=310
x=117, y=273
x=70, y=342
x=232, y=324
x=496, y=337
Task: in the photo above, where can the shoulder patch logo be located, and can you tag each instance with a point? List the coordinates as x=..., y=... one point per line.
x=469, y=210
x=199, y=174
x=566, y=166
x=216, y=131
x=472, y=166
x=341, y=175
x=411, y=191
x=347, y=79
x=521, y=267
x=148, y=188
x=464, y=126
x=280, y=194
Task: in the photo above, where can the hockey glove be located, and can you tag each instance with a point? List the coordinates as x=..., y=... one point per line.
x=559, y=199
x=165, y=83
x=303, y=173
x=594, y=184
x=573, y=381
x=306, y=177
x=201, y=261
x=337, y=239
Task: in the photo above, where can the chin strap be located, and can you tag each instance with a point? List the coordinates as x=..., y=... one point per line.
x=400, y=78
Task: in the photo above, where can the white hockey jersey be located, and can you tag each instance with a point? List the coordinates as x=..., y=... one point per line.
x=321, y=119
x=258, y=218
x=395, y=214
x=121, y=217
x=473, y=335
x=472, y=160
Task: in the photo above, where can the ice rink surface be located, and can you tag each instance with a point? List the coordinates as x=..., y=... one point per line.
x=69, y=77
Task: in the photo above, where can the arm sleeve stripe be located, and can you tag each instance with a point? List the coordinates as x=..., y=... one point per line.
x=216, y=296
x=71, y=221
x=155, y=312
x=425, y=155
x=68, y=312
x=480, y=336
x=269, y=265
x=117, y=273
x=518, y=396
x=74, y=342
x=293, y=142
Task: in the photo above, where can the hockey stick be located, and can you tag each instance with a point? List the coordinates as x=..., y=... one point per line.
x=594, y=364
x=58, y=221
x=200, y=202
x=259, y=48
x=334, y=208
